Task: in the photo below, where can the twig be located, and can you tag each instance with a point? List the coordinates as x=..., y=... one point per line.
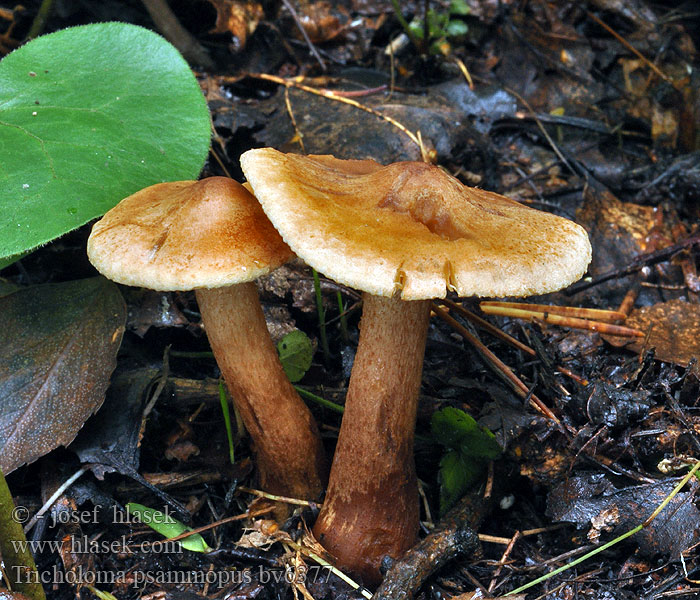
x=307, y=39
x=245, y=515
x=325, y=564
x=427, y=155
x=276, y=498
x=597, y=314
x=455, y=534
x=361, y=93
x=297, y=132
x=632, y=49
x=504, y=541
x=486, y=326
x=492, y=308
x=504, y=558
x=498, y=366
x=465, y=72
x=49, y=503
x=618, y=539
x=541, y=127
x=173, y=31
x=637, y=263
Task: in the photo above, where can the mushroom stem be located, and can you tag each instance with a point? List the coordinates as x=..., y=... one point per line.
x=371, y=508
x=286, y=442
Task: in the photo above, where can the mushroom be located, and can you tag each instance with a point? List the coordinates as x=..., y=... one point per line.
x=211, y=236
x=404, y=234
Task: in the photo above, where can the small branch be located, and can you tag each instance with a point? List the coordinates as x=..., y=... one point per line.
x=173, y=31
x=486, y=326
x=427, y=155
x=607, y=316
x=632, y=49
x=497, y=365
x=454, y=535
x=307, y=39
x=637, y=263
x=545, y=315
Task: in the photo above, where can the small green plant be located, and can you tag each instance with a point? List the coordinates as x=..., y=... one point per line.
x=223, y=401
x=437, y=29
x=468, y=447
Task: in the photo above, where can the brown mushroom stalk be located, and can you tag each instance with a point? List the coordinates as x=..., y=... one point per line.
x=288, y=452
x=211, y=236
x=371, y=508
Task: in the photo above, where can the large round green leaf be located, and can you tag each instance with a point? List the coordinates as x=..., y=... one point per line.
x=89, y=115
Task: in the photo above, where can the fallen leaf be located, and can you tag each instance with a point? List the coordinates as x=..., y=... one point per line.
x=58, y=348
x=327, y=127
x=593, y=501
x=674, y=331
x=110, y=441
x=295, y=351
x=319, y=22
x=239, y=17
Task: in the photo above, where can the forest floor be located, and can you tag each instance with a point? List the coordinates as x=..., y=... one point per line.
x=588, y=110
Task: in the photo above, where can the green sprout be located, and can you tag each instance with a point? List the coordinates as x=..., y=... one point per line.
x=437, y=29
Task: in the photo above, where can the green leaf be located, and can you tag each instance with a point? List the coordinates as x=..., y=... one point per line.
x=456, y=474
x=8, y=260
x=469, y=448
x=88, y=116
x=459, y=7
x=437, y=21
x=457, y=430
x=101, y=594
x=295, y=350
x=164, y=524
x=456, y=28
x=416, y=29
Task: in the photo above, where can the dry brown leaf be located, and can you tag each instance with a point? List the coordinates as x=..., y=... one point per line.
x=262, y=534
x=319, y=22
x=58, y=348
x=239, y=17
x=674, y=331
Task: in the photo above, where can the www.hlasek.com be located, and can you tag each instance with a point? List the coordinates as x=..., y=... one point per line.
x=84, y=545
x=80, y=576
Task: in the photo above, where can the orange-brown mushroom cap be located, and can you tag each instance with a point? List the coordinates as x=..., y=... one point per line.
x=411, y=230
x=186, y=235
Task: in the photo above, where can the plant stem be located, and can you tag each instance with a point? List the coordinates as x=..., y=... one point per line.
x=321, y=318
x=223, y=398
x=343, y=318
x=39, y=22
x=404, y=23
x=320, y=401
x=618, y=539
x=19, y=563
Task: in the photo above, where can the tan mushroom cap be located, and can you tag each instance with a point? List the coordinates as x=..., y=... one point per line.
x=412, y=230
x=185, y=235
